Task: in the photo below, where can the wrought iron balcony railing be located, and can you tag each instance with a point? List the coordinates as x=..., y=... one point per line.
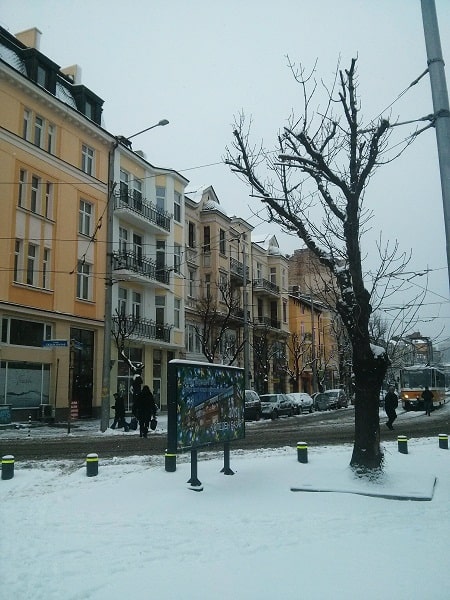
x=267, y=322
x=264, y=285
x=130, y=261
x=134, y=202
x=142, y=328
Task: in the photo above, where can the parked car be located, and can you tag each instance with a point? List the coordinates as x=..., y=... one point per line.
x=275, y=405
x=331, y=399
x=301, y=402
x=252, y=408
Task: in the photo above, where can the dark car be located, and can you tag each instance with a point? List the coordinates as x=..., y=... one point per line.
x=331, y=399
x=276, y=405
x=252, y=408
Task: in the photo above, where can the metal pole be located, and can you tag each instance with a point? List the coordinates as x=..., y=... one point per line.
x=440, y=107
x=246, y=332
x=106, y=374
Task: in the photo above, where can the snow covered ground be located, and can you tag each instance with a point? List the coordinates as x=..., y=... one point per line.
x=137, y=530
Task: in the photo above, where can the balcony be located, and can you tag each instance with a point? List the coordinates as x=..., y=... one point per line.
x=237, y=272
x=139, y=268
x=265, y=287
x=143, y=328
x=266, y=322
x=133, y=208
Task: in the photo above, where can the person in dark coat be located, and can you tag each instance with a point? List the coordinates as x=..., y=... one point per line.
x=427, y=396
x=144, y=410
x=390, y=404
x=119, y=414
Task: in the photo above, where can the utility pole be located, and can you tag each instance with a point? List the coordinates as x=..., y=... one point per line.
x=106, y=373
x=440, y=107
x=246, y=332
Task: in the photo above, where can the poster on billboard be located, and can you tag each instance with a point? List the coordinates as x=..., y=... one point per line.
x=205, y=404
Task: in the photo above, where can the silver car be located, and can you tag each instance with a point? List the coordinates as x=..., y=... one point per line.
x=301, y=402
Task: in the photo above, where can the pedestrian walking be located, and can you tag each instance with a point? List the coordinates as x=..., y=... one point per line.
x=390, y=404
x=427, y=396
x=144, y=410
x=119, y=412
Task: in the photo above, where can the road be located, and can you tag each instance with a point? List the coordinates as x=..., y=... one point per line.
x=316, y=429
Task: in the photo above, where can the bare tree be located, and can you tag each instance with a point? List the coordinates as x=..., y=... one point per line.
x=330, y=150
x=217, y=322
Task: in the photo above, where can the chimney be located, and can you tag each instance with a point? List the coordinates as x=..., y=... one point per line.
x=30, y=37
x=74, y=72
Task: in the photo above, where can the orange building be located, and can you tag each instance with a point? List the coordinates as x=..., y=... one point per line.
x=53, y=174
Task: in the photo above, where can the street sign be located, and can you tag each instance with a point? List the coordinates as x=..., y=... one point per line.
x=54, y=343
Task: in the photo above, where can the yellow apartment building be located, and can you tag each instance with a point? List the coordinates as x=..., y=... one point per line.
x=53, y=174
x=69, y=191
x=312, y=347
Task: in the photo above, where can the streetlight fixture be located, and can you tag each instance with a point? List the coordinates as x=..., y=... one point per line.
x=159, y=124
x=106, y=372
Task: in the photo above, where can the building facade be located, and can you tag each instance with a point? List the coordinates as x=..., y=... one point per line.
x=148, y=285
x=53, y=169
x=236, y=294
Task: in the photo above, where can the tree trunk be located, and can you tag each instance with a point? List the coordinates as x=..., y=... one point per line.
x=369, y=374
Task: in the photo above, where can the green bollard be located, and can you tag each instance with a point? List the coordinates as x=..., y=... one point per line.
x=92, y=465
x=402, y=441
x=302, y=452
x=443, y=441
x=7, y=466
x=170, y=462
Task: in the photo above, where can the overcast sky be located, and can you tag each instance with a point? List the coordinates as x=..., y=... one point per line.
x=198, y=63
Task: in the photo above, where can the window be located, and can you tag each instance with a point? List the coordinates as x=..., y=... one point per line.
x=46, y=269
x=177, y=313
x=177, y=258
x=123, y=240
x=42, y=76
x=206, y=239
x=38, y=131
x=137, y=194
x=223, y=286
x=35, y=194
x=124, y=185
x=85, y=218
x=258, y=270
x=83, y=281
x=17, y=260
x=177, y=207
x=191, y=284
x=48, y=208
x=22, y=188
x=191, y=235
x=31, y=264
x=284, y=312
x=89, y=110
x=192, y=340
x=27, y=117
x=222, y=241
x=273, y=275
x=161, y=261
x=51, y=138
x=160, y=198
x=137, y=306
x=137, y=247
x=87, y=159
x=25, y=333
x=160, y=309
x=122, y=302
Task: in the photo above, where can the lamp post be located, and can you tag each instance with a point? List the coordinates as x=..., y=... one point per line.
x=106, y=372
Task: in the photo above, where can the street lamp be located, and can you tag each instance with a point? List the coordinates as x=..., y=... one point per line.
x=106, y=372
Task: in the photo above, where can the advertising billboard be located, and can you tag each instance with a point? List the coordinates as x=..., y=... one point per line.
x=205, y=404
